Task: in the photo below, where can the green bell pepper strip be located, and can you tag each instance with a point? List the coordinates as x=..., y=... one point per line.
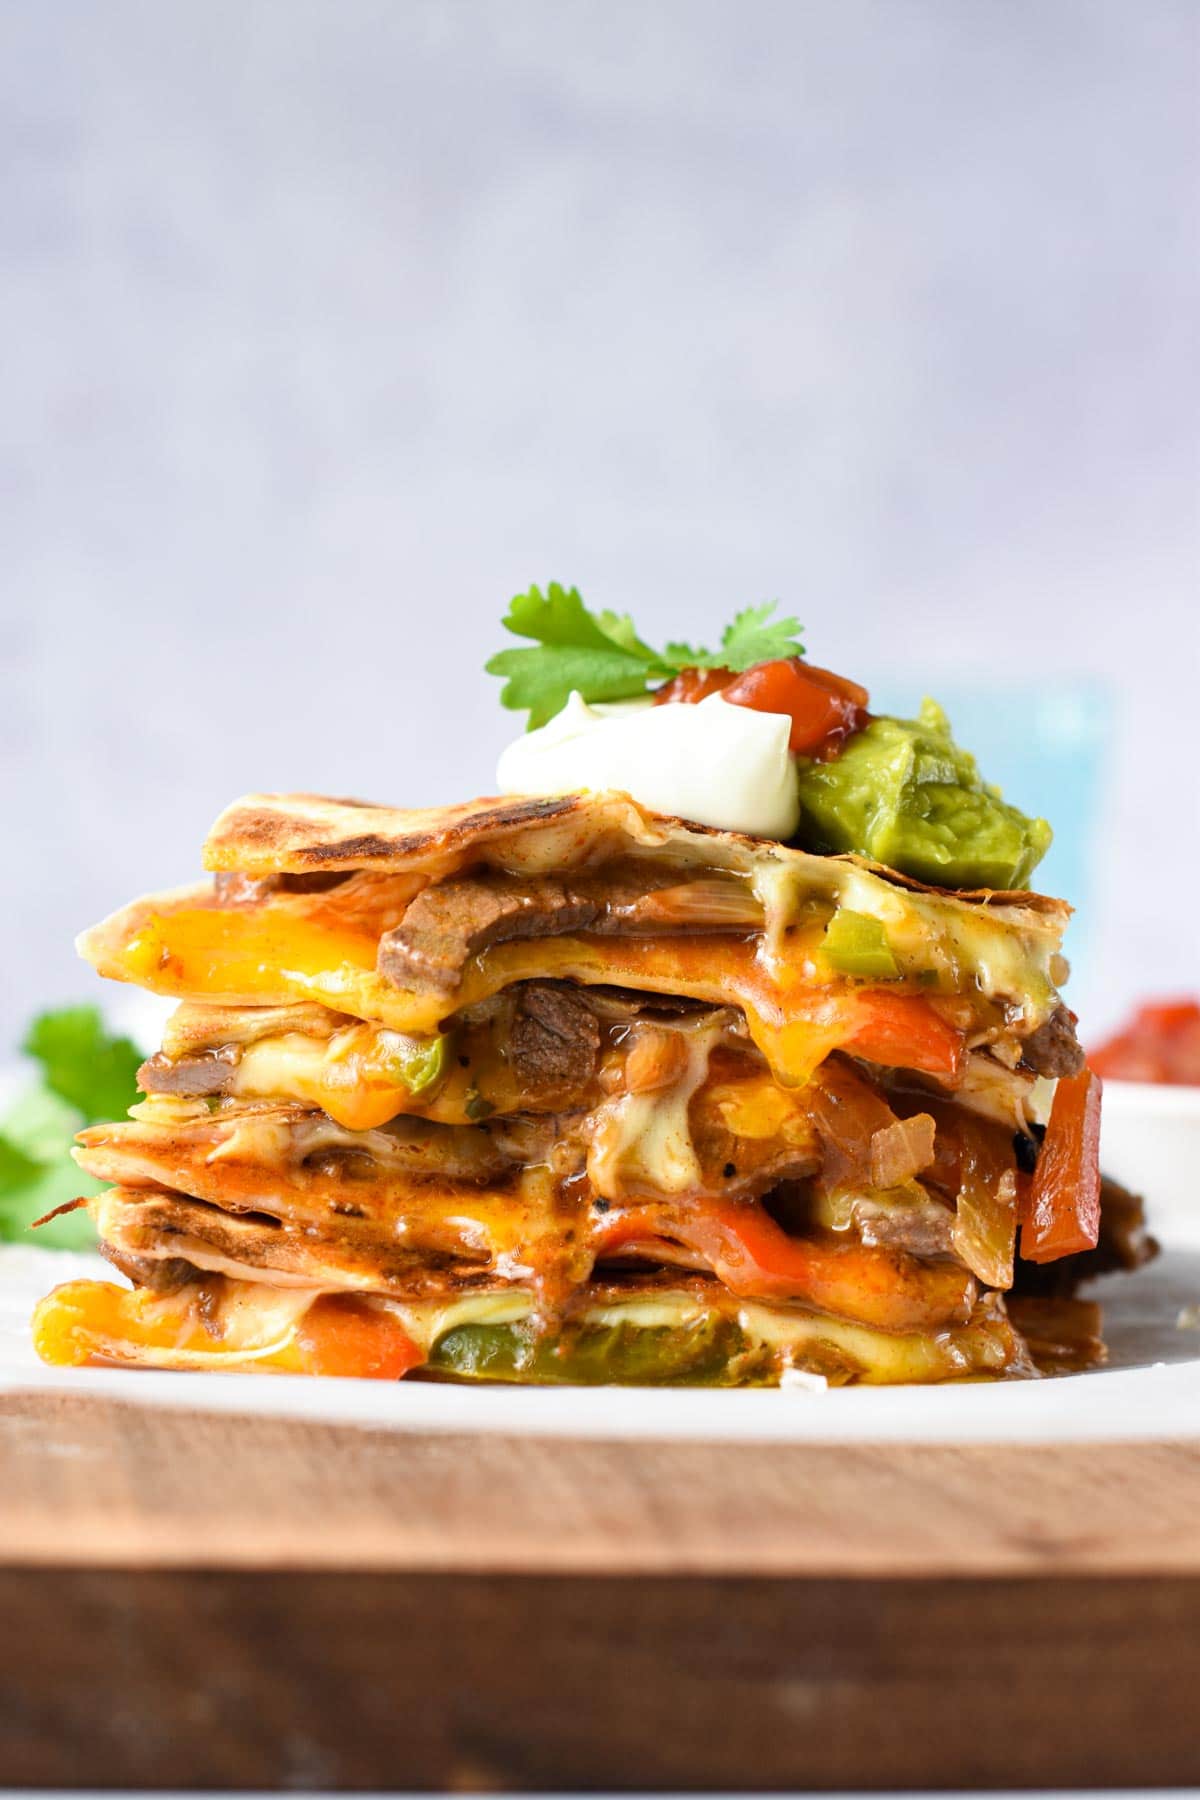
x=703, y=1353
x=856, y=944
x=418, y=1063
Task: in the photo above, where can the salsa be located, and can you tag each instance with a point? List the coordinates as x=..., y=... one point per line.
x=825, y=709
x=1160, y=1043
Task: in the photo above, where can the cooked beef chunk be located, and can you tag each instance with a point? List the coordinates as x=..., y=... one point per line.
x=922, y=1231
x=191, y=1076
x=162, y=1273
x=554, y=1038
x=453, y=921
x=1053, y=1049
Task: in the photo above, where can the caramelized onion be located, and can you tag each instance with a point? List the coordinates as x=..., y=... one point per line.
x=710, y=903
x=985, y=1226
x=849, y=1116
x=901, y=1150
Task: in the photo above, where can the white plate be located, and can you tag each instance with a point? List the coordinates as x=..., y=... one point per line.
x=1150, y=1388
x=1150, y=1140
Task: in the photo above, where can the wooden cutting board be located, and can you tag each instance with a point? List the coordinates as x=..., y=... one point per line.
x=213, y=1601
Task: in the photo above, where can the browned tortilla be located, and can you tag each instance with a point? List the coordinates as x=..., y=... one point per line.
x=272, y=834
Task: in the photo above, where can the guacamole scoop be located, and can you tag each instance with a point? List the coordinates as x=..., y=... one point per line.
x=903, y=793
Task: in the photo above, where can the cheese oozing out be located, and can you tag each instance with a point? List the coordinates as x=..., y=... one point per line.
x=255, y=1328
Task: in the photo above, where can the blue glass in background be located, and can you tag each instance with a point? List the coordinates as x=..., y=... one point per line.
x=1045, y=745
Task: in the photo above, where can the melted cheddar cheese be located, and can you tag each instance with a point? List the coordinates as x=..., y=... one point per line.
x=247, y=1327
x=271, y=959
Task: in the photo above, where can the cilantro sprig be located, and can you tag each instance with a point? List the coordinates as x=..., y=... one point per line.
x=87, y=1075
x=602, y=656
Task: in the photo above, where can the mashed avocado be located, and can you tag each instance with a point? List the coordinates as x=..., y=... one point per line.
x=903, y=793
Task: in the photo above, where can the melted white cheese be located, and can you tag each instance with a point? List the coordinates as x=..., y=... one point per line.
x=644, y=1140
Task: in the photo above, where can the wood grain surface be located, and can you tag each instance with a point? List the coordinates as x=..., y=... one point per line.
x=404, y=1681
x=192, y=1601
x=89, y=1481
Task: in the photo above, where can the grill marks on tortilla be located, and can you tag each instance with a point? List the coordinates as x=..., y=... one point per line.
x=265, y=833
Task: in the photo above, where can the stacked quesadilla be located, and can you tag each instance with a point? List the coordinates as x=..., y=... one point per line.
x=561, y=1089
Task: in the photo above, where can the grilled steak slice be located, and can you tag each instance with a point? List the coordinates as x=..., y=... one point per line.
x=1053, y=1049
x=554, y=1038
x=452, y=921
x=211, y=1072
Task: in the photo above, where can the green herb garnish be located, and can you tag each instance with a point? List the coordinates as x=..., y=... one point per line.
x=87, y=1075
x=602, y=657
x=83, y=1064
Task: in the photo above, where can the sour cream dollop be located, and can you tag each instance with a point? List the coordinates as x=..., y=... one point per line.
x=719, y=764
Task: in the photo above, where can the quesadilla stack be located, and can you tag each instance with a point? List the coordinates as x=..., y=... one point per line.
x=563, y=1089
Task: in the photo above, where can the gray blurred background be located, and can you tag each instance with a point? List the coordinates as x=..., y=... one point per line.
x=327, y=326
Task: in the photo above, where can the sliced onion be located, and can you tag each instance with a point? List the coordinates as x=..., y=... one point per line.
x=985, y=1225
x=710, y=903
x=848, y=1115
x=901, y=1150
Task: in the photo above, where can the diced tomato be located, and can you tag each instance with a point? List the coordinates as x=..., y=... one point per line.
x=1064, y=1198
x=824, y=708
x=341, y=1335
x=1161, y=1044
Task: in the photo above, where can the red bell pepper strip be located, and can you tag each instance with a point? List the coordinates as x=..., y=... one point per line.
x=904, y=1031
x=1064, y=1199
x=340, y=1335
x=756, y=1259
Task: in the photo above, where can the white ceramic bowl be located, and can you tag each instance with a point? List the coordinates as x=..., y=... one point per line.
x=1150, y=1141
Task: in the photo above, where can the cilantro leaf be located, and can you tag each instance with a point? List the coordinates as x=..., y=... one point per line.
x=621, y=629
x=87, y=1076
x=55, y=1184
x=602, y=657
x=755, y=637
x=17, y=1170
x=82, y=1064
